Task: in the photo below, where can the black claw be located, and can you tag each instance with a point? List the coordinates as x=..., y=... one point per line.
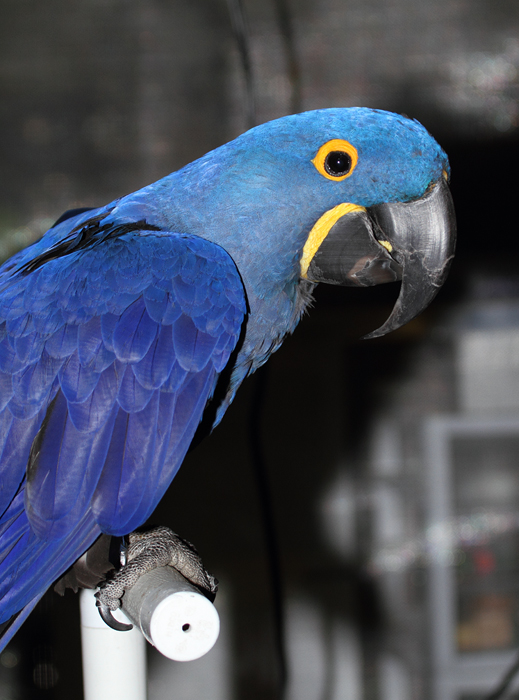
x=110, y=620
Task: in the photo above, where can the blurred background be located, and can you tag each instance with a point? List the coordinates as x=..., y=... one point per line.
x=392, y=463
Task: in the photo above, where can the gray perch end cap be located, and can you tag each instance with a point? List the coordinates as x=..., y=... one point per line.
x=171, y=613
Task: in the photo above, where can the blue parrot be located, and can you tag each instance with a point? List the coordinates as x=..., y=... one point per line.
x=124, y=325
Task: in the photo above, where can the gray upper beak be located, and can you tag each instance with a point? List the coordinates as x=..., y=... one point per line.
x=423, y=236
x=412, y=241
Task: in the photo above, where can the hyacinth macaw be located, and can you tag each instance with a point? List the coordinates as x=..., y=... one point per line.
x=123, y=324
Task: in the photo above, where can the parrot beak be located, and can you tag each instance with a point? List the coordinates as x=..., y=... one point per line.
x=413, y=242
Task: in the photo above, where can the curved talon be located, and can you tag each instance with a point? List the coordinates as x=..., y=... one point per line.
x=123, y=551
x=110, y=620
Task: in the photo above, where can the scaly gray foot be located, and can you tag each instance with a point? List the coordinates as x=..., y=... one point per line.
x=147, y=551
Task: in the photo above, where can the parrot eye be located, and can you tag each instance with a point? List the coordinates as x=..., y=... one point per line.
x=337, y=163
x=336, y=159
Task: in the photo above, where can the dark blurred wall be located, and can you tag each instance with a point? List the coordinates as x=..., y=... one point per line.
x=97, y=98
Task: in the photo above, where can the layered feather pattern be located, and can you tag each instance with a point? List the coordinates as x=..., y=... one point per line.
x=108, y=356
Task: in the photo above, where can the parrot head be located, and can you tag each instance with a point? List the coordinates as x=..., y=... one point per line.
x=395, y=220
x=351, y=196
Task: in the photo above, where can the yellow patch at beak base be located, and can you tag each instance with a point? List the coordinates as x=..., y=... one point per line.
x=320, y=230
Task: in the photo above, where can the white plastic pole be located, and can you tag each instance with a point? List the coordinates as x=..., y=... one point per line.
x=114, y=663
x=178, y=620
x=173, y=616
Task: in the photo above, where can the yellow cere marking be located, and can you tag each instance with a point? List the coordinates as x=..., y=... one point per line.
x=387, y=245
x=320, y=230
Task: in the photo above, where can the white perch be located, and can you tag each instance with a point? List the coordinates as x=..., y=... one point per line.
x=114, y=663
x=173, y=616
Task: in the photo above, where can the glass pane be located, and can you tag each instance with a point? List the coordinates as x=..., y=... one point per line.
x=486, y=499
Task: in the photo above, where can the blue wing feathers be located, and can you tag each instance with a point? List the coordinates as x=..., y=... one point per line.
x=9, y=362
x=16, y=446
x=158, y=479
x=77, y=381
x=121, y=489
x=134, y=333
x=46, y=469
x=132, y=396
x=108, y=356
x=103, y=359
x=20, y=326
x=90, y=340
x=88, y=376
x=64, y=472
x=105, y=501
x=9, y=531
x=6, y=389
x=108, y=323
x=192, y=347
x=155, y=367
x=33, y=385
x=191, y=398
x=64, y=475
x=175, y=379
x=62, y=342
x=90, y=414
x=28, y=347
x=172, y=312
x=31, y=565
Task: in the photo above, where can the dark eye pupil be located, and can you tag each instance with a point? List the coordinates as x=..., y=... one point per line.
x=337, y=163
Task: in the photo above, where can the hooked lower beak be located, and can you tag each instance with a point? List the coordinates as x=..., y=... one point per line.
x=412, y=241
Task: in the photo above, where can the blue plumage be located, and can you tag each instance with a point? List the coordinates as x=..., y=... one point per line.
x=117, y=324
x=91, y=381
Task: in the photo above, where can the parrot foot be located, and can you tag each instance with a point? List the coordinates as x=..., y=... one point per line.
x=147, y=551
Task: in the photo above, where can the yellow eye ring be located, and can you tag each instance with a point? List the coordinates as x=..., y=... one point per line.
x=336, y=159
